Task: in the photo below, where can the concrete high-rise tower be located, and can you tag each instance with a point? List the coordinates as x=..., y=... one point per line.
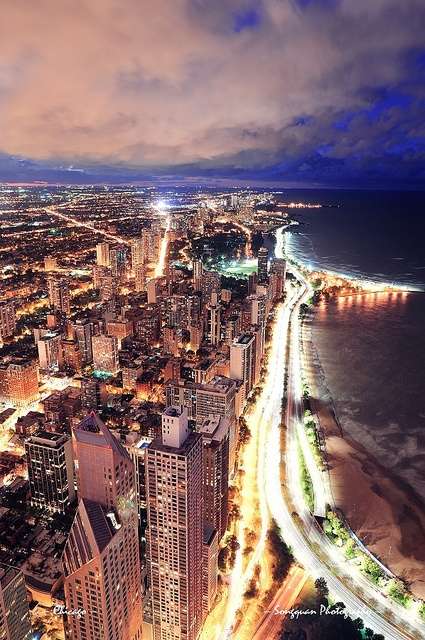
x=50, y=470
x=101, y=557
x=242, y=360
x=263, y=261
x=175, y=528
x=102, y=254
x=14, y=614
x=59, y=296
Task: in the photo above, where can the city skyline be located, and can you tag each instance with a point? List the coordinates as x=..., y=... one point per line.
x=212, y=294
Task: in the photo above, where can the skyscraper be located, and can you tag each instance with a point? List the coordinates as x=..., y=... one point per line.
x=277, y=277
x=175, y=528
x=82, y=330
x=213, y=323
x=102, y=254
x=263, y=260
x=14, y=614
x=242, y=360
x=19, y=382
x=140, y=276
x=59, y=296
x=152, y=287
x=138, y=255
x=7, y=320
x=209, y=568
x=101, y=557
x=197, y=271
x=50, y=470
x=105, y=353
x=118, y=263
x=211, y=283
x=50, y=351
x=215, y=439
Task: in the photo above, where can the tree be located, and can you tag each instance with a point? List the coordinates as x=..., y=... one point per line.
x=368, y=633
x=398, y=592
x=322, y=590
x=371, y=569
x=350, y=549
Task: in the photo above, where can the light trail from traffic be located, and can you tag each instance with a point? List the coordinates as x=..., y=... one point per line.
x=162, y=258
x=78, y=223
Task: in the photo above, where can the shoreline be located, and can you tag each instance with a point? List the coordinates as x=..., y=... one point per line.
x=386, y=514
x=366, y=283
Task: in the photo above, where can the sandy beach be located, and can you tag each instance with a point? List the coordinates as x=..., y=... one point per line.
x=385, y=513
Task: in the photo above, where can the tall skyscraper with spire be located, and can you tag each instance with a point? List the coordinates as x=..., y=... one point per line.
x=101, y=558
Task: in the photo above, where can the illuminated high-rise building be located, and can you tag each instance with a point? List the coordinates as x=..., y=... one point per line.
x=233, y=328
x=170, y=341
x=50, y=470
x=263, y=262
x=7, y=320
x=147, y=326
x=102, y=254
x=50, y=264
x=152, y=288
x=175, y=528
x=15, y=621
x=71, y=355
x=242, y=360
x=19, y=382
x=101, y=557
x=92, y=394
x=258, y=310
x=118, y=263
x=252, y=283
x=175, y=312
x=277, y=277
x=140, y=277
x=209, y=568
x=194, y=309
x=196, y=334
x=197, y=272
x=138, y=253
x=211, y=283
x=216, y=398
x=213, y=322
x=59, y=296
x=82, y=330
x=50, y=351
x=105, y=353
x=215, y=439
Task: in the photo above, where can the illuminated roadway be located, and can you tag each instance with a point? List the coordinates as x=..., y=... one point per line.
x=160, y=267
x=52, y=210
x=308, y=542
x=283, y=601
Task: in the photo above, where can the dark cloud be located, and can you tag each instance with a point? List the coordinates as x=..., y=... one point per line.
x=302, y=90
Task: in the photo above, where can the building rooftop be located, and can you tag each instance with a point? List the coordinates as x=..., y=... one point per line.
x=175, y=412
x=192, y=438
x=243, y=339
x=48, y=439
x=92, y=430
x=215, y=426
x=7, y=574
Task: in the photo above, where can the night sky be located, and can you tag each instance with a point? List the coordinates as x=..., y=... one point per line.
x=303, y=93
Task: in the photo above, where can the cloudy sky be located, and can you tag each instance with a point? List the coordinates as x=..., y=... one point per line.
x=298, y=92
